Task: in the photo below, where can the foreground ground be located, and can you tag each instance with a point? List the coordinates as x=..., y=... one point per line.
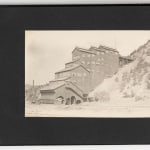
x=87, y=109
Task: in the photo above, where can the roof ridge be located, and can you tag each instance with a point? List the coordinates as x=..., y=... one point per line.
x=67, y=69
x=52, y=86
x=96, y=48
x=106, y=47
x=71, y=68
x=72, y=61
x=60, y=79
x=82, y=49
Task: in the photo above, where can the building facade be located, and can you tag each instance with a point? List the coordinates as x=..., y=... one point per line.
x=88, y=68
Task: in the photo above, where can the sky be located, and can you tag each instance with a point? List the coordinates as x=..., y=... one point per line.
x=47, y=51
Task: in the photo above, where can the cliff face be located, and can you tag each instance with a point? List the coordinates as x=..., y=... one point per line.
x=132, y=82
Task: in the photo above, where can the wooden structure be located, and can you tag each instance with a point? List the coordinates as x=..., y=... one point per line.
x=87, y=69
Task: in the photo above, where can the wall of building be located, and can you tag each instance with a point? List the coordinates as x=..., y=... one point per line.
x=65, y=93
x=85, y=58
x=51, y=97
x=81, y=78
x=105, y=63
x=75, y=55
x=47, y=97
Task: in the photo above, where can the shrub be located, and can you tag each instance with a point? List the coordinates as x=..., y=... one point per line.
x=138, y=98
x=103, y=96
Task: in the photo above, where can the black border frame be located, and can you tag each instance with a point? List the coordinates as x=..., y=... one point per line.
x=15, y=129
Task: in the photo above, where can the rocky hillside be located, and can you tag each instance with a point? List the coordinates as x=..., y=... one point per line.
x=131, y=83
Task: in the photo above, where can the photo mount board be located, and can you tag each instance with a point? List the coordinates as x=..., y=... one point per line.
x=15, y=129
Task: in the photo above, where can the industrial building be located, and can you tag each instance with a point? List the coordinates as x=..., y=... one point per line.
x=88, y=68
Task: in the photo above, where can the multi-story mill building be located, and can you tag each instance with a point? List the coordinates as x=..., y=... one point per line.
x=87, y=70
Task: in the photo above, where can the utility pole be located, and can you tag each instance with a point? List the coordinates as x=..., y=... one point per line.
x=33, y=84
x=33, y=92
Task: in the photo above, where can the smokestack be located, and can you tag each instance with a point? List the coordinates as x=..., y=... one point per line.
x=33, y=92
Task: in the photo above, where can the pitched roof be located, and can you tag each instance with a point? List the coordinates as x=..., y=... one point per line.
x=60, y=79
x=108, y=48
x=95, y=48
x=75, y=85
x=71, y=68
x=125, y=57
x=72, y=61
x=53, y=86
x=83, y=50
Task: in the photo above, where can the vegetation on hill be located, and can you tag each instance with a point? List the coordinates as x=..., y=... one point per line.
x=132, y=82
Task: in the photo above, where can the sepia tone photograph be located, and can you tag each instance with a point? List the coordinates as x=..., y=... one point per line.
x=87, y=73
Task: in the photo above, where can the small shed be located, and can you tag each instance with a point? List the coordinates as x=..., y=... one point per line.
x=64, y=92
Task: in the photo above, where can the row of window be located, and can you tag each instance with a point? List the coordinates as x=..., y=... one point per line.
x=92, y=55
x=79, y=74
x=65, y=74
x=98, y=53
x=92, y=62
x=92, y=70
x=76, y=57
x=88, y=55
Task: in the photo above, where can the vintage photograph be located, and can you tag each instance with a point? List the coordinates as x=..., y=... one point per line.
x=87, y=73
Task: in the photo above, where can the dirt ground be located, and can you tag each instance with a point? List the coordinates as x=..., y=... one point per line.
x=87, y=109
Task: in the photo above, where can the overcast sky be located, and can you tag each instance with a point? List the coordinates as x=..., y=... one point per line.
x=47, y=51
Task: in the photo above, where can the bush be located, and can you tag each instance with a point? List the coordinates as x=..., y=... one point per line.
x=138, y=98
x=102, y=96
x=90, y=99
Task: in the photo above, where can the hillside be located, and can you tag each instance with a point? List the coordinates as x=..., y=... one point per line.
x=132, y=82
